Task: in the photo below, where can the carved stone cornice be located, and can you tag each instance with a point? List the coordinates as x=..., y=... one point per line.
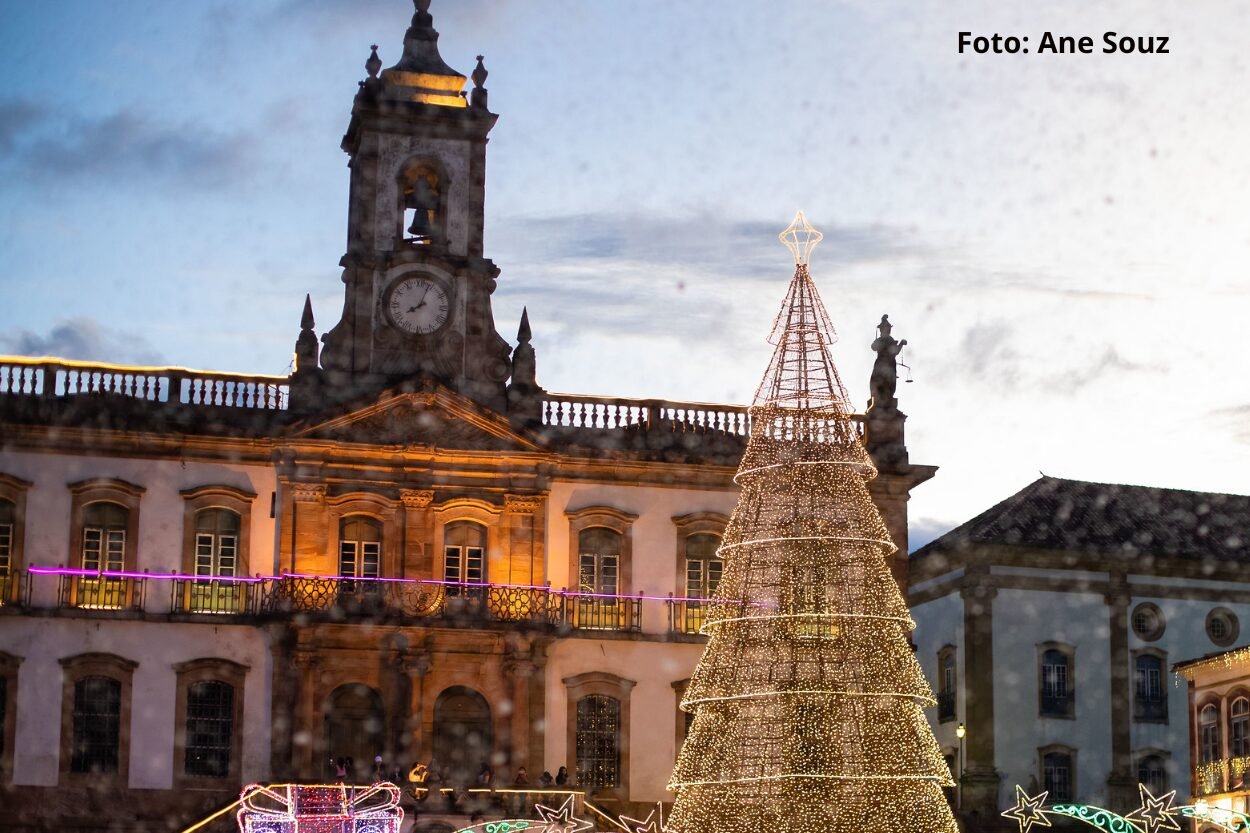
x=519, y=669
x=416, y=498
x=522, y=504
x=308, y=492
x=416, y=665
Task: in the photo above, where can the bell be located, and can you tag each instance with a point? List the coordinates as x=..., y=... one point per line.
x=420, y=223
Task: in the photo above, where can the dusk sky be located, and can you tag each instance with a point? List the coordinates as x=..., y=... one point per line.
x=1062, y=239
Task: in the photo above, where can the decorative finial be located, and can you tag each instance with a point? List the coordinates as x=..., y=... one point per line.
x=800, y=238
x=306, y=321
x=479, y=73
x=523, y=334
x=374, y=64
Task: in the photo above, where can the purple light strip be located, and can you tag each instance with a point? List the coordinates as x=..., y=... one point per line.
x=107, y=574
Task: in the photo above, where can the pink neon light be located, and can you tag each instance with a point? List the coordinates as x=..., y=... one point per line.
x=107, y=574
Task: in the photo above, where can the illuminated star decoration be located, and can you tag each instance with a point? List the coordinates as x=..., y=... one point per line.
x=1028, y=811
x=800, y=238
x=562, y=820
x=653, y=823
x=1155, y=813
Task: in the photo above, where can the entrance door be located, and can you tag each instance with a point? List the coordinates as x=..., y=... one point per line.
x=355, y=723
x=463, y=739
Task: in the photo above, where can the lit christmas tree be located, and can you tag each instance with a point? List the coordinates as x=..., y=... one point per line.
x=808, y=701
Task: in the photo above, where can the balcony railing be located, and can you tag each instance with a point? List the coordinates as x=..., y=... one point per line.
x=62, y=379
x=686, y=615
x=1224, y=775
x=10, y=588
x=91, y=590
x=609, y=413
x=443, y=603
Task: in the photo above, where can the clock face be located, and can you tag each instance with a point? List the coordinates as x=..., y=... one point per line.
x=418, y=306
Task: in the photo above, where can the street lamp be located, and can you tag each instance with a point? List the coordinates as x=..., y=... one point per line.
x=961, y=732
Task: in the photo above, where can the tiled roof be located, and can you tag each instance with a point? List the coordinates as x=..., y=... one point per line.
x=1076, y=516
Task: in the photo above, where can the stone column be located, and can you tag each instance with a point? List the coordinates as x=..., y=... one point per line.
x=308, y=553
x=519, y=672
x=417, y=561
x=1121, y=785
x=303, y=741
x=282, y=709
x=980, y=782
x=416, y=666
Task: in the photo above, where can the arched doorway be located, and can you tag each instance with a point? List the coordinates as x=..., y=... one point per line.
x=463, y=739
x=355, y=728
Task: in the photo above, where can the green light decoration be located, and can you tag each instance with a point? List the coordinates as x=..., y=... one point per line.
x=1099, y=817
x=1155, y=814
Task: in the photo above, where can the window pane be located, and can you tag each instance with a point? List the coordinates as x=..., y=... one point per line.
x=694, y=578
x=473, y=564
x=97, y=725
x=1057, y=774
x=210, y=729
x=370, y=553
x=598, y=741
x=451, y=564
x=7, y=516
x=1239, y=727
x=347, y=558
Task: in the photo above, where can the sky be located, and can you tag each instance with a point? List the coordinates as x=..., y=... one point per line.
x=1062, y=239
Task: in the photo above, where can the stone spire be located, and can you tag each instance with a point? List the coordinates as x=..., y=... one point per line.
x=478, y=99
x=524, y=394
x=306, y=344
x=421, y=74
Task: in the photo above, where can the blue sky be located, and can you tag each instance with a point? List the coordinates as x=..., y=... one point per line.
x=1062, y=239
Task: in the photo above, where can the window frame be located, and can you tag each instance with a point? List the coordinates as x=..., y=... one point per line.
x=208, y=669
x=687, y=526
x=105, y=490
x=1165, y=760
x=1234, y=697
x=1230, y=620
x=13, y=489
x=1057, y=749
x=1069, y=700
x=1216, y=728
x=73, y=670
x=947, y=697
x=610, y=685
x=463, y=553
x=618, y=521
x=1160, y=622
x=1162, y=658
x=216, y=496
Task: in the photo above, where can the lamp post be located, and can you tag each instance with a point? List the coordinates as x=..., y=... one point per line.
x=961, y=732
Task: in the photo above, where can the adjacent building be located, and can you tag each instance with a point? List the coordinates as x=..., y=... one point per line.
x=407, y=548
x=1048, y=625
x=1219, y=732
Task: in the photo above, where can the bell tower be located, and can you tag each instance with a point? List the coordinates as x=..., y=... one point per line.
x=417, y=300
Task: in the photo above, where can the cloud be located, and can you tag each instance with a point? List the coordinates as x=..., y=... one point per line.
x=1109, y=362
x=1235, y=419
x=84, y=339
x=985, y=353
x=741, y=248
x=38, y=146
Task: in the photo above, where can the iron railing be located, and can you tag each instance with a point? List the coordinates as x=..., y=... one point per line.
x=686, y=615
x=444, y=603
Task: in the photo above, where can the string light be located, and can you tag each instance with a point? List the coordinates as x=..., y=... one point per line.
x=312, y=808
x=808, y=700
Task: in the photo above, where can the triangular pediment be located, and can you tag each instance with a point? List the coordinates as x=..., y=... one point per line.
x=436, y=417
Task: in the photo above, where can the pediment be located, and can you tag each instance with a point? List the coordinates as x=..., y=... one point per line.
x=437, y=418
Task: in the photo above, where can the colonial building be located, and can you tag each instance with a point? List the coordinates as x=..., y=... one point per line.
x=1219, y=732
x=407, y=548
x=1048, y=625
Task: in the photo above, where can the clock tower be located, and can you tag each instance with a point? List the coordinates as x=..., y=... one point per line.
x=417, y=301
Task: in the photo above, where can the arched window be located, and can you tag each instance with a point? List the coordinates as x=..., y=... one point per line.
x=1152, y=771
x=464, y=554
x=1149, y=699
x=599, y=561
x=1239, y=727
x=355, y=724
x=216, y=542
x=703, y=565
x=96, y=726
x=210, y=729
x=598, y=741
x=423, y=195
x=1209, y=734
x=104, y=536
x=463, y=735
x=1056, y=688
x=360, y=551
x=1057, y=775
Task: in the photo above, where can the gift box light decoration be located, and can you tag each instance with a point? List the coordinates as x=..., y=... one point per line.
x=320, y=808
x=808, y=700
